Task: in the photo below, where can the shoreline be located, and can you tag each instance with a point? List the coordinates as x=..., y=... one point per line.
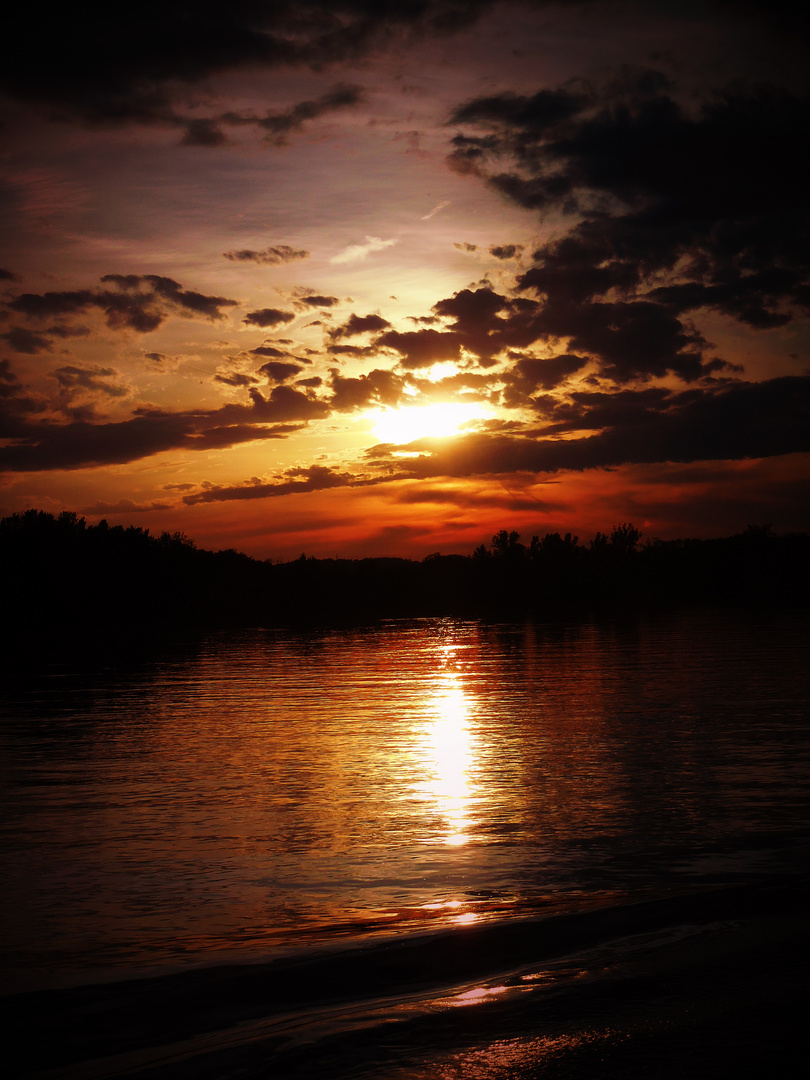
x=189, y=1023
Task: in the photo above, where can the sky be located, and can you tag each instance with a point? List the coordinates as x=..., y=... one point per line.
x=366, y=279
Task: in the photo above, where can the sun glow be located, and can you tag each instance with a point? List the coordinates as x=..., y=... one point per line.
x=424, y=421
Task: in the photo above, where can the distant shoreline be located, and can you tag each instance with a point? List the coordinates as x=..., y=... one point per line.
x=60, y=575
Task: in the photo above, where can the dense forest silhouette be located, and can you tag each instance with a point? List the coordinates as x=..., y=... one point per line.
x=58, y=573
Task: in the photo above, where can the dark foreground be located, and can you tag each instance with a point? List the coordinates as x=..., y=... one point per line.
x=711, y=983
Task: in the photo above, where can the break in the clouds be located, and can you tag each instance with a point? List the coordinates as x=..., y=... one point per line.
x=744, y=420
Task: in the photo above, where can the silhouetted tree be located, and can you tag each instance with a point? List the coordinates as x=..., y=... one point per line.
x=59, y=572
x=624, y=538
x=507, y=545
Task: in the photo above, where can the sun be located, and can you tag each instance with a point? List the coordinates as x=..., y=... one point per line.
x=423, y=421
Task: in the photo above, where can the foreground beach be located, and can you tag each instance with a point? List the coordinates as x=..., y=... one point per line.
x=700, y=984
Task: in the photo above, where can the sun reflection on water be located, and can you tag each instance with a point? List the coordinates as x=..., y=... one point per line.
x=449, y=748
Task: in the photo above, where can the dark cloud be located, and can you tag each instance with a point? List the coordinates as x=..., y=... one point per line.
x=22, y=340
x=286, y=404
x=314, y=300
x=279, y=125
x=484, y=323
x=477, y=321
x=202, y=131
x=285, y=360
x=68, y=331
x=15, y=404
x=378, y=387
x=633, y=340
x=472, y=310
x=184, y=300
x=468, y=384
x=535, y=115
x=271, y=256
x=7, y=275
x=46, y=305
x=679, y=210
x=358, y=351
x=359, y=324
x=235, y=378
x=106, y=65
x=47, y=446
x=208, y=131
x=268, y=317
x=422, y=348
x=93, y=378
x=313, y=478
x=529, y=373
x=268, y=350
x=135, y=302
x=279, y=371
x=506, y=251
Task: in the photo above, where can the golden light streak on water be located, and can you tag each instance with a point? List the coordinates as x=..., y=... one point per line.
x=450, y=749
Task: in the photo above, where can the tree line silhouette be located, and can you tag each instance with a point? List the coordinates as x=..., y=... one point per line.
x=58, y=573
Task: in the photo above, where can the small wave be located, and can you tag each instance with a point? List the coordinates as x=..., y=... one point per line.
x=281, y=1010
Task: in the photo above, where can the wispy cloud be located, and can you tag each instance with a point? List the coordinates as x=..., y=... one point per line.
x=355, y=252
x=435, y=210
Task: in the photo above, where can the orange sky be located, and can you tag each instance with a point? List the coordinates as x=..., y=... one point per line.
x=307, y=277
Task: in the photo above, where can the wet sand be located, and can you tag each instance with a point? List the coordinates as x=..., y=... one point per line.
x=711, y=983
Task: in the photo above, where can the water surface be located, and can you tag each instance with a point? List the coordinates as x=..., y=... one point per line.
x=259, y=793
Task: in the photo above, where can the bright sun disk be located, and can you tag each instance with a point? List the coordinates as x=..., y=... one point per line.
x=423, y=421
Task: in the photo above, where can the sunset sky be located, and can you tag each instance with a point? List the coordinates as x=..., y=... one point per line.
x=361, y=278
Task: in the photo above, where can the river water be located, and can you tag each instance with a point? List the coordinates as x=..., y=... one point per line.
x=270, y=795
